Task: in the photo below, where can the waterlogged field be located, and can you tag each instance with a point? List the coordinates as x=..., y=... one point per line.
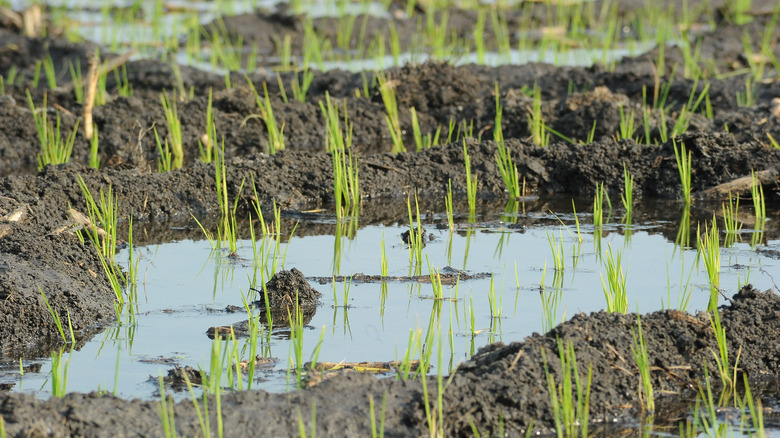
x=231, y=117
x=535, y=277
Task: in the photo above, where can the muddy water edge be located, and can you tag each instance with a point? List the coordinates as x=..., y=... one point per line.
x=501, y=384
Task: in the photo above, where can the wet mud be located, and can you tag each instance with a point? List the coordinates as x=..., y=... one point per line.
x=40, y=253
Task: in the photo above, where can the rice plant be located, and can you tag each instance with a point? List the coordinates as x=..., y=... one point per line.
x=55, y=148
x=570, y=398
x=275, y=141
x=176, y=144
x=346, y=185
x=536, y=125
x=642, y=360
x=103, y=219
x=614, y=287
x=628, y=193
x=471, y=184
x=683, y=158
x=503, y=156
x=387, y=90
x=709, y=251
x=208, y=141
x=449, y=207
x=722, y=356
x=598, y=206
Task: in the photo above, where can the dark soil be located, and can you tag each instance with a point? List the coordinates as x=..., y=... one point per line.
x=40, y=254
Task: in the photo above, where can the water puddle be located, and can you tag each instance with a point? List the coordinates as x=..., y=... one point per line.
x=185, y=288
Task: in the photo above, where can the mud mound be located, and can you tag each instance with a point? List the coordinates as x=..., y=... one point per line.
x=286, y=288
x=69, y=274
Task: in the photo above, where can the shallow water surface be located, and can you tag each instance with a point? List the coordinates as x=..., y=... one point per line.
x=185, y=287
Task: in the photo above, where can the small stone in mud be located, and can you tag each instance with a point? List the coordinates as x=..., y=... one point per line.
x=282, y=289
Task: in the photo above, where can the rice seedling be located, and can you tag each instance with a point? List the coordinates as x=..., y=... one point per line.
x=503, y=156
x=55, y=149
x=755, y=410
x=471, y=184
x=346, y=186
x=628, y=193
x=103, y=214
x=374, y=432
x=415, y=240
x=387, y=90
x=165, y=159
x=170, y=109
x=275, y=141
x=536, y=125
x=301, y=88
x=448, y=206
x=207, y=142
x=570, y=398
x=312, y=425
x=728, y=378
x=615, y=286
x=383, y=257
x=772, y=141
x=551, y=301
x=598, y=206
x=557, y=251
x=495, y=302
x=57, y=320
x=642, y=360
x=709, y=251
x=59, y=373
x=757, y=194
x=94, y=158
x=123, y=86
x=78, y=81
x=167, y=412
x=684, y=168
x=627, y=128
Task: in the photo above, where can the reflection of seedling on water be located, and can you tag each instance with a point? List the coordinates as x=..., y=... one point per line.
x=730, y=218
x=757, y=194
